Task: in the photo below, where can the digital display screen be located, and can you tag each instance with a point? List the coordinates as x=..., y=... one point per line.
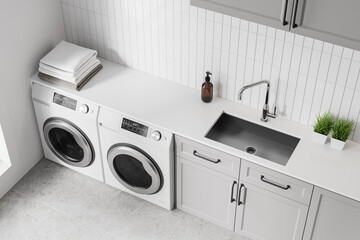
x=134, y=127
x=64, y=101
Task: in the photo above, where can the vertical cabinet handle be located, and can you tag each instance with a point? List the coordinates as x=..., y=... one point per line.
x=196, y=154
x=283, y=12
x=232, y=199
x=239, y=196
x=262, y=178
x=294, y=25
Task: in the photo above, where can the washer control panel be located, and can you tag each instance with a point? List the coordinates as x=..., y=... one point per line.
x=65, y=101
x=134, y=127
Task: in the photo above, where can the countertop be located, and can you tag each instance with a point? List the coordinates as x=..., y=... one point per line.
x=179, y=110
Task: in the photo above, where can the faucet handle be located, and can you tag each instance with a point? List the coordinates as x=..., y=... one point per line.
x=273, y=115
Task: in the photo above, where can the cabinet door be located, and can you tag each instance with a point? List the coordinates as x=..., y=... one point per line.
x=206, y=193
x=329, y=20
x=275, y=13
x=332, y=217
x=263, y=215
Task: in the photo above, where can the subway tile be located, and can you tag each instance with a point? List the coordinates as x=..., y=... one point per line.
x=179, y=42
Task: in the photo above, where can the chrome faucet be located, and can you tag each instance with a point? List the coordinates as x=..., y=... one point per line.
x=265, y=113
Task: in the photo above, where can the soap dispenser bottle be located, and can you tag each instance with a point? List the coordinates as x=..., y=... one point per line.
x=207, y=89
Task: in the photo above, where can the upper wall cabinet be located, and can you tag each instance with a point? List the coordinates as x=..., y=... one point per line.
x=275, y=13
x=327, y=20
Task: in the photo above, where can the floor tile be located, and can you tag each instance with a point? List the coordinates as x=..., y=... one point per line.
x=20, y=216
x=54, y=202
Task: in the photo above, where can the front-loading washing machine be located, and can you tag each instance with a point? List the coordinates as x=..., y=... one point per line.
x=68, y=130
x=138, y=158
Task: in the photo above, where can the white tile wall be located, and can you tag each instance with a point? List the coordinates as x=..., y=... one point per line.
x=179, y=42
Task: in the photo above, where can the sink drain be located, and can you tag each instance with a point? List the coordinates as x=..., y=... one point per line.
x=250, y=150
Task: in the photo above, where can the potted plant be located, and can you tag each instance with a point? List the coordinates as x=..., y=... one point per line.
x=322, y=127
x=341, y=131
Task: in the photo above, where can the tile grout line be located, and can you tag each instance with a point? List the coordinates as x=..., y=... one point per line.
x=327, y=75
x=228, y=61
x=262, y=68
x=316, y=81
x=288, y=75
x=307, y=79
x=297, y=77
x=234, y=97
x=336, y=80
x=253, y=68
x=347, y=78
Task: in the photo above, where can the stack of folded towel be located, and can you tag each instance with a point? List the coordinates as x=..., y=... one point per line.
x=69, y=65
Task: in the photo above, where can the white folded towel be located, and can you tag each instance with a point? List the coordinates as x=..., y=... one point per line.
x=68, y=57
x=69, y=75
x=69, y=78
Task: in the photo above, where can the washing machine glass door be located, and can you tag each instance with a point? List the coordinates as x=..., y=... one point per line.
x=134, y=169
x=68, y=142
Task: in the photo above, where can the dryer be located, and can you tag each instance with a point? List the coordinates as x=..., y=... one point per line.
x=138, y=158
x=68, y=130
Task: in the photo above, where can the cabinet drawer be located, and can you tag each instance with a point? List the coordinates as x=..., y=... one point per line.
x=276, y=182
x=207, y=157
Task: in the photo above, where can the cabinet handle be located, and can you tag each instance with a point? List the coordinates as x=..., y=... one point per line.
x=239, y=196
x=232, y=199
x=283, y=12
x=274, y=183
x=196, y=154
x=294, y=25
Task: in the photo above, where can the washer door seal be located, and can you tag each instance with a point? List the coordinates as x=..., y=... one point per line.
x=68, y=142
x=134, y=169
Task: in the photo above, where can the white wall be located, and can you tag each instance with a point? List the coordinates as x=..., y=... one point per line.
x=170, y=39
x=29, y=30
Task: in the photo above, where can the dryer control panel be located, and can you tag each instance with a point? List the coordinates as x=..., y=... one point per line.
x=134, y=127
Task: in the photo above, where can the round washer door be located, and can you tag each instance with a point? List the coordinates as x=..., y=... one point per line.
x=68, y=142
x=134, y=169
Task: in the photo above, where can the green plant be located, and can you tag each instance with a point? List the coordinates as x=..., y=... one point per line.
x=342, y=129
x=324, y=123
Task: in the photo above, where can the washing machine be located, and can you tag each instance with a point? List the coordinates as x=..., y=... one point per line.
x=138, y=158
x=68, y=130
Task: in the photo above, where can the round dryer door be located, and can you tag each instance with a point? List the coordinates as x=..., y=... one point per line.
x=68, y=142
x=134, y=169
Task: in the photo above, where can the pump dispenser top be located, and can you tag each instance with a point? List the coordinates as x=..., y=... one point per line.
x=207, y=89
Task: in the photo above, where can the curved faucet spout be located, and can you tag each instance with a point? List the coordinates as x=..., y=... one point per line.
x=265, y=113
x=253, y=85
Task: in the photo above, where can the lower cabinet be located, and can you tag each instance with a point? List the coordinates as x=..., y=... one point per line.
x=258, y=203
x=206, y=193
x=264, y=215
x=332, y=217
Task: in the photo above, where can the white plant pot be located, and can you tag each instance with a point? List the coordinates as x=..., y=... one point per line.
x=337, y=144
x=319, y=138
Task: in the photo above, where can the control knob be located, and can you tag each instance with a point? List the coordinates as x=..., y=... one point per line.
x=84, y=108
x=156, y=135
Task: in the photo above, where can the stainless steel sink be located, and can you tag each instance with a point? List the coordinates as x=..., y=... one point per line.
x=254, y=139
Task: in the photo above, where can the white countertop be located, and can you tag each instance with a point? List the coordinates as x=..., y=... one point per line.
x=180, y=110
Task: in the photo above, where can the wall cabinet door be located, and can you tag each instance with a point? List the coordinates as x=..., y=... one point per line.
x=206, y=193
x=332, y=217
x=328, y=20
x=275, y=13
x=263, y=215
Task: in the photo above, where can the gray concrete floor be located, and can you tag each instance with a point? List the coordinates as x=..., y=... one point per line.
x=54, y=202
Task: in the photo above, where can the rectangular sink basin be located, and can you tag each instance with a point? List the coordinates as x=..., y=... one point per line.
x=254, y=139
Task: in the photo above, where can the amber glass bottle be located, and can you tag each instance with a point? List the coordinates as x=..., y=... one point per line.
x=207, y=89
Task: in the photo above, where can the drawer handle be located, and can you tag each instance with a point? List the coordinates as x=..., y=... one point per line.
x=232, y=199
x=239, y=196
x=196, y=154
x=274, y=183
